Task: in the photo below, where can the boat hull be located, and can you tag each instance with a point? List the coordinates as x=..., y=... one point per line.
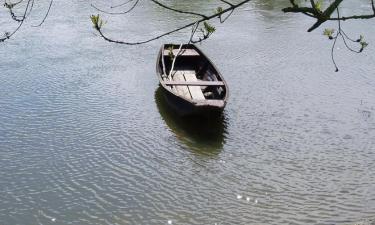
x=213, y=105
x=186, y=108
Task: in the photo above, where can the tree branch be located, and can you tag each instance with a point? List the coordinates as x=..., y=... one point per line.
x=324, y=16
x=96, y=20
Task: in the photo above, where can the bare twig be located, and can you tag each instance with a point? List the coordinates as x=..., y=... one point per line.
x=46, y=15
x=21, y=21
x=118, y=13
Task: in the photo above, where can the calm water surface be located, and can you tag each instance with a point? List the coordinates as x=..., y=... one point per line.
x=86, y=137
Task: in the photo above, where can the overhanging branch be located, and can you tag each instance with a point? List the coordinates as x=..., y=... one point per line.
x=97, y=21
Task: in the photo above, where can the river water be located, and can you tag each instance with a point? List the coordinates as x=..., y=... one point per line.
x=86, y=137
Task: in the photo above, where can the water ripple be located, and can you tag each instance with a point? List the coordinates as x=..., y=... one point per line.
x=86, y=137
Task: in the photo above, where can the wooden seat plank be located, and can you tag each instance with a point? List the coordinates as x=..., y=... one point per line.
x=183, y=52
x=194, y=83
x=183, y=77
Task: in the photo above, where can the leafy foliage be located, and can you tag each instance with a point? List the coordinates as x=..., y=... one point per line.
x=319, y=5
x=209, y=29
x=362, y=42
x=329, y=33
x=96, y=21
x=170, y=53
x=219, y=9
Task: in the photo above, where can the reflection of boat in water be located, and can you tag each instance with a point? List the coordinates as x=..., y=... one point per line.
x=190, y=81
x=203, y=135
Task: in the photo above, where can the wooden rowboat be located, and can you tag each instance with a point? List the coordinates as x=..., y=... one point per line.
x=192, y=85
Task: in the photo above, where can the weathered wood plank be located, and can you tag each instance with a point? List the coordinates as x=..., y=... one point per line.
x=184, y=52
x=195, y=91
x=181, y=90
x=194, y=83
x=212, y=102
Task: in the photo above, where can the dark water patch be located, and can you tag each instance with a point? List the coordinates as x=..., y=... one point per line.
x=204, y=135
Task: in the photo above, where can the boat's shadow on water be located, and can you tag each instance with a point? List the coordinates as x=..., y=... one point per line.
x=203, y=135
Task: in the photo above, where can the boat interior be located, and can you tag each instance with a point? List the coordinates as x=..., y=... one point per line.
x=192, y=76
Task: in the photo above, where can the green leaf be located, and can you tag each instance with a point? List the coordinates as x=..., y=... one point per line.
x=329, y=33
x=318, y=5
x=96, y=21
x=219, y=9
x=209, y=28
x=170, y=53
x=362, y=42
